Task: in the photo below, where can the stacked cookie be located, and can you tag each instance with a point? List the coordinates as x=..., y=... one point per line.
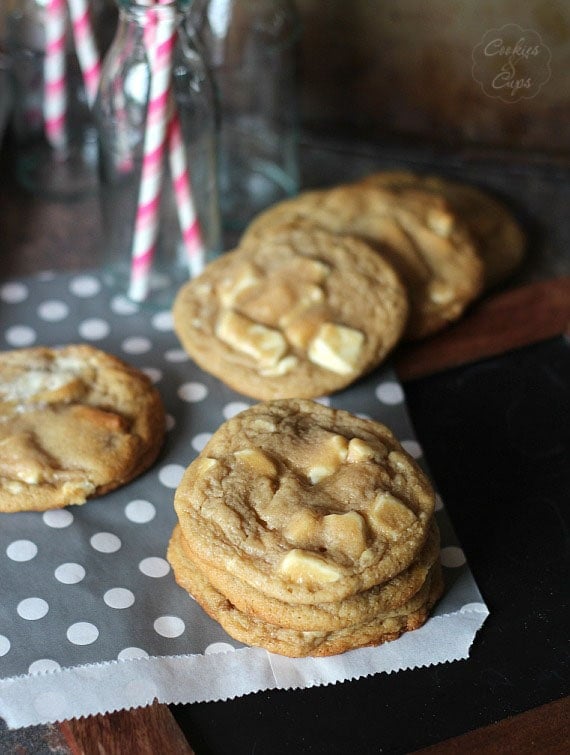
x=323, y=286
x=76, y=422
x=307, y=531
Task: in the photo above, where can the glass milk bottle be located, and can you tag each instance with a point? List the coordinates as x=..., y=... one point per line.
x=250, y=47
x=53, y=48
x=156, y=125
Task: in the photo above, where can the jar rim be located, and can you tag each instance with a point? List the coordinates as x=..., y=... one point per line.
x=150, y=4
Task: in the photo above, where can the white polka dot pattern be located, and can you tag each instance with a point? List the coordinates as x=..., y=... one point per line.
x=162, y=321
x=234, y=407
x=69, y=573
x=153, y=374
x=13, y=293
x=82, y=633
x=20, y=336
x=53, y=311
x=192, y=392
x=176, y=355
x=140, y=511
x=105, y=542
x=219, y=647
x=94, y=329
x=119, y=597
x=43, y=665
x=171, y=474
x=22, y=550
x=127, y=654
x=169, y=626
x=452, y=557
x=136, y=345
x=32, y=609
x=91, y=583
x=390, y=393
x=4, y=645
x=85, y=286
x=412, y=447
x=58, y=519
x=153, y=566
x=200, y=440
x=120, y=305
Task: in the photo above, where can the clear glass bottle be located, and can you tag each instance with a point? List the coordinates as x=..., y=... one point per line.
x=122, y=116
x=66, y=168
x=250, y=47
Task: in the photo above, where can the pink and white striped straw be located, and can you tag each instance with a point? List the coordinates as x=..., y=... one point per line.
x=187, y=217
x=55, y=96
x=160, y=37
x=85, y=47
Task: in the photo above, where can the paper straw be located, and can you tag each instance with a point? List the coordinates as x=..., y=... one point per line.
x=55, y=97
x=160, y=37
x=85, y=47
x=187, y=217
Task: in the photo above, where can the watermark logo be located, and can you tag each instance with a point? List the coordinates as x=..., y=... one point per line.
x=511, y=63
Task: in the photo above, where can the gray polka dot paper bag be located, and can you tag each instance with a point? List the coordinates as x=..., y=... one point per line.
x=91, y=619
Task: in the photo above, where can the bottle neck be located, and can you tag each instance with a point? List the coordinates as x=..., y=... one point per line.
x=143, y=6
x=141, y=12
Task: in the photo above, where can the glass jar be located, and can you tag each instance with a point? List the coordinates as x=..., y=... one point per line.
x=150, y=250
x=250, y=47
x=55, y=142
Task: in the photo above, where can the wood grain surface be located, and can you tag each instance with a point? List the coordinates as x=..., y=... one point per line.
x=544, y=730
x=141, y=731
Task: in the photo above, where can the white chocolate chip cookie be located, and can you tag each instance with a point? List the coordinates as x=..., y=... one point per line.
x=499, y=238
x=417, y=231
x=75, y=423
x=301, y=313
x=386, y=599
x=304, y=503
x=382, y=627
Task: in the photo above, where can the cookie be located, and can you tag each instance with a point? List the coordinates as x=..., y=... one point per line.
x=277, y=639
x=499, y=238
x=299, y=313
x=408, y=589
x=304, y=503
x=75, y=423
x=416, y=231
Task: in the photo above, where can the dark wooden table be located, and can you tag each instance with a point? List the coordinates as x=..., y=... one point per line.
x=37, y=235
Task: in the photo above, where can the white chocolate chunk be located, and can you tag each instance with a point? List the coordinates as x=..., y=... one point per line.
x=336, y=348
x=283, y=367
x=231, y=288
x=389, y=516
x=440, y=222
x=42, y=385
x=256, y=460
x=345, y=532
x=440, y=292
x=319, y=472
x=302, y=529
x=265, y=345
x=326, y=458
x=312, y=270
x=203, y=464
x=263, y=425
x=358, y=450
x=307, y=568
x=303, y=322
